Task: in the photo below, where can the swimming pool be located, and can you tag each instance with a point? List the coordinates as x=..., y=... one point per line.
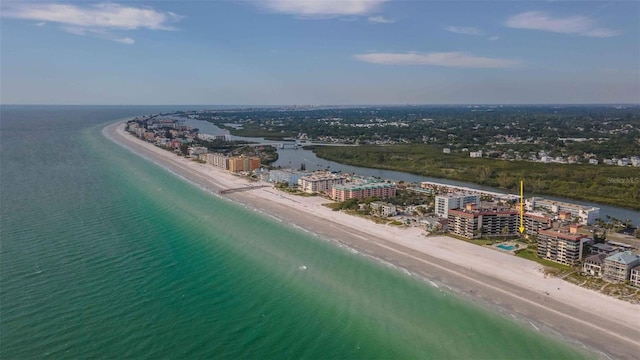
x=506, y=247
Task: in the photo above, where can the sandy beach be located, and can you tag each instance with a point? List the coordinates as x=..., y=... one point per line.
x=514, y=285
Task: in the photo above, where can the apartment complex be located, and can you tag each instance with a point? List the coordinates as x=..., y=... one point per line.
x=243, y=163
x=560, y=247
x=617, y=267
x=535, y=222
x=471, y=223
x=233, y=164
x=342, y=192
x=444, y=203
x=585, y=214
x=320, y=182
x=218, y=160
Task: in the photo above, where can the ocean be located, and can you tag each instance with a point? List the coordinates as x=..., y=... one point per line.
x=107, y=255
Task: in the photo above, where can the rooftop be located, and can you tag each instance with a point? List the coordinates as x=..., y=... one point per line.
x=478, y=212
x=598, y=259
x=625, y=257
x=562, y=235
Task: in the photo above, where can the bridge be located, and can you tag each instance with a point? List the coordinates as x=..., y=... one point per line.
x=246, y=188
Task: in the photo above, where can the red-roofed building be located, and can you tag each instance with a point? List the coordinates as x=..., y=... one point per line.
x=560, y=246
x=534, y=223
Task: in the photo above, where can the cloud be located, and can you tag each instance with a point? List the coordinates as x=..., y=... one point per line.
x=465, y=30
x=576, y=25
x=101, y=18
x=380, y=20
x=450, y=59
x=125, y=40
x=493, y=38
x=322, y=8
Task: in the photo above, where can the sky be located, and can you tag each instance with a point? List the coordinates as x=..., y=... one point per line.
x=319, y=52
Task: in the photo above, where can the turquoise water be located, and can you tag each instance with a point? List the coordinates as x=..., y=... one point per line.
x=506, y=247
x=104, y=254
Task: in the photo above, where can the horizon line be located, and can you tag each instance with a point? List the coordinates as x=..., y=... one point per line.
x=342, y=105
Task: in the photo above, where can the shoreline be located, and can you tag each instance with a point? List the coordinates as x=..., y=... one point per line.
x=511, y=284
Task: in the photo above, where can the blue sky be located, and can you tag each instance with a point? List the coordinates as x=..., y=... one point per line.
x=319, y=52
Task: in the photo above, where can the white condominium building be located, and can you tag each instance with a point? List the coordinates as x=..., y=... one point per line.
x=320, y=182
x=444, y=203
x=585, y=214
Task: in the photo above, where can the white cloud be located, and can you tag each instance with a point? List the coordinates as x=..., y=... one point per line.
x=322, y=8
x=99, y=18
x=450, y=59
x=380, y=20
x=125, y=40
x=576, y=25
x=493, y=38
x=465, y=30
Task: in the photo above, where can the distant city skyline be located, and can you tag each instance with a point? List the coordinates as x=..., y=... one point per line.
x=281, y=52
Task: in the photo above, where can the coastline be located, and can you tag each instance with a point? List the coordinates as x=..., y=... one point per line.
x=513, y=284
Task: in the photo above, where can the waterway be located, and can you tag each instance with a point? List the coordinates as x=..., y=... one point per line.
x=294, y=158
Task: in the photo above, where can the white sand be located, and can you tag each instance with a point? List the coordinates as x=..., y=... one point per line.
x=509, y=281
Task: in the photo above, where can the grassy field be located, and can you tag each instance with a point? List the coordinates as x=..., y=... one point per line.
x=530, y=254
x=613, y=185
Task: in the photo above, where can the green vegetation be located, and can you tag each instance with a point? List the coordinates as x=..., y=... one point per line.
x=621, y=291
x=576, y=181
x=480, y=241
x=530, y=254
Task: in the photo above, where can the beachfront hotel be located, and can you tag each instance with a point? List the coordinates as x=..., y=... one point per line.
x=472, y=223
x=584, y=214
x=342, y=192
x=444, y=203
x=560, y=247
x=617, y=267
x=320, y=182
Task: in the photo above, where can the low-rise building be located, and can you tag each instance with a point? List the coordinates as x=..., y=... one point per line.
x=617, y=267
x=560, y=247
x=634, y=276
x=383, y=209
x=194, y=151
x=593, y=265
x=585, y=214
x=602, y=248
x=288, y=176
